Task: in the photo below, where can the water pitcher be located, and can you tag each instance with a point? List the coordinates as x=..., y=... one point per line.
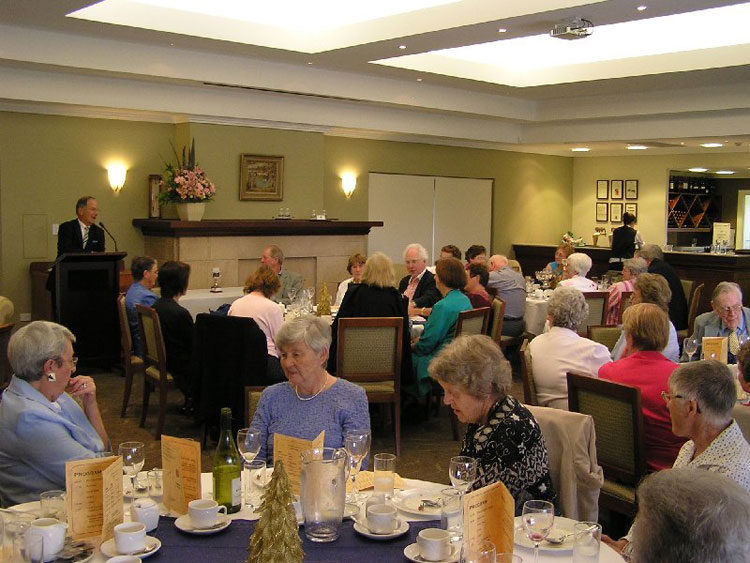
x=322, y=492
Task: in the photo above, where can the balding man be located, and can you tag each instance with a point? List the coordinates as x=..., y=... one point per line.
x=654, y=257
x=291, y=282
x=509, y=286
x=728, y=318
x=419, y=285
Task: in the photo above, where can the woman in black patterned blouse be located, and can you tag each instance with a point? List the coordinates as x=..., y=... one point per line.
x=502, y=434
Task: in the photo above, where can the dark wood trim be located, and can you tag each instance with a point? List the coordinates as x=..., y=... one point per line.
x=238, y=227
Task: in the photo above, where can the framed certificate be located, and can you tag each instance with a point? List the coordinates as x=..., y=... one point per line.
x=601, y=212
x=631, y=208
x=631, y=189
x=616, y=189
x=602, y=189
x=615, y=212
x=154, y=211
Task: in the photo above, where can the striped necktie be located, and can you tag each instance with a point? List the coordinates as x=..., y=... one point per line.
x=85, y=236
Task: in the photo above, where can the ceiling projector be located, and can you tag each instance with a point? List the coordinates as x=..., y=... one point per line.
x=576, y=28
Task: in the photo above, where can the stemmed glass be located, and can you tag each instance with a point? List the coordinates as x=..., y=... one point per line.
x=462, y=472
x=248, y=443
x=357, y=445
x=133, y=457
x=538, y=517
x=691, y=347
x=483, y=552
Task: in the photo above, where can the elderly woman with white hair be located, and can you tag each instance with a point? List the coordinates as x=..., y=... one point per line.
x=562, y=350
x=575, y=272
x=631, y=269
x=41, y=424
x=502, y=434
x=312, y=399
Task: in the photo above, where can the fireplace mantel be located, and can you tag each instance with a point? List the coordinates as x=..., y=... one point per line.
x=254, y=227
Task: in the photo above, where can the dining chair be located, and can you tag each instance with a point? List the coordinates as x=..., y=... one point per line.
x=252, y=395
x=597, y=301
x=369, y=354
x=618, y=419
x=604, y=334
x=515, y=265
x=695, y=298
x=498, y=314
x=624, y=304
x=472, y=322
x=156, y=375
x=5, y=370
x=131, y=363
x=527, y=375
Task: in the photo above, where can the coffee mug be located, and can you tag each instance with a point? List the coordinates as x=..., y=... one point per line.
x=204, y=513
x=52, y=532
x=130, y=537
x=146, y=511
x=381, y=518
x=434, y=544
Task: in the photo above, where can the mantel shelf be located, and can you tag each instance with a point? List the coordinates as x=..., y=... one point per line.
x=236, y=227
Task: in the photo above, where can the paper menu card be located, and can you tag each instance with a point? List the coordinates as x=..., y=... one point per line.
x=715, y=348
x=93, y=496
x=366, y=480
x=181, y=472
x=488, y=515
x=289, y=450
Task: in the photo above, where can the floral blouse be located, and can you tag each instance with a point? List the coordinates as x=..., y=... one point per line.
x=510, y=448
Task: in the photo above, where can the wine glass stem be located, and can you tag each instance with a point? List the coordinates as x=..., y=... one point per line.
x=132, y=492
x=536, y=552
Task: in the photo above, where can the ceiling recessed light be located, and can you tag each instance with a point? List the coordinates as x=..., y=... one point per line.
x=419, y=80
x=309, y=62
x=502, y=30
x=580, y=149
x=637, y=147
x=726, y=172
x=641, y=8
x=698, y=169
x=711, y=145
x=402, y=47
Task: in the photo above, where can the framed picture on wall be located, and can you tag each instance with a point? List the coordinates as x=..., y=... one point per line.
x=631, y=208
x=616, y=189
x=602, y=189
x=615, y=212
x=601, y=212
x=261, y=177
x=631, y=189
x=154, y=210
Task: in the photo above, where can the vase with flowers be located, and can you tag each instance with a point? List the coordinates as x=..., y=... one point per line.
x=186, y=185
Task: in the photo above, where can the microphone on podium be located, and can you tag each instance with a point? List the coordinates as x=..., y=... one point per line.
x=110, y=234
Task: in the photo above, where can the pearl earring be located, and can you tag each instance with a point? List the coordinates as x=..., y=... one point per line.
x=51, y=377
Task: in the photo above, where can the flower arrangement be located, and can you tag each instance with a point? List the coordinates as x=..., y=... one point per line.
x=185, y=182
x=569, y=238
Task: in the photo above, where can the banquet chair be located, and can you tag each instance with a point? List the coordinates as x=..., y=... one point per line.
x=597, y=301
x=570, y=438
x=515, y=265
x=369, y=354
x=527, y=376
x=624, y=304
x=5, y=370
x=604, y=334
x=498, y=314
x=472, y=322
x=155, y=362
x=688, y=286
x=132, y=364
x=692, y=312
x=618, y=419
x=252, y=397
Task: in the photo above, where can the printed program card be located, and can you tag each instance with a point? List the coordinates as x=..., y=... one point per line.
x=488, y=515
x=93, y=493
x=288, y=450
x=715, y=348
x=181, y=465
x=366, y=480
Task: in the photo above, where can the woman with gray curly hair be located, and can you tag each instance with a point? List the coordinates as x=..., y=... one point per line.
x=41, y=425
x=562, y=350
x=502, y=434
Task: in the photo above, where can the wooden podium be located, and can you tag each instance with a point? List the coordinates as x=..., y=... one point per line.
x=87, y=286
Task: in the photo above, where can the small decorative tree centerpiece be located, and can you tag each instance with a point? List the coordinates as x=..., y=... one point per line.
x=324, y=301
x=186, y=185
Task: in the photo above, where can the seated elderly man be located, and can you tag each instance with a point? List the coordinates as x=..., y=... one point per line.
x=728, y=318
x=678, y=309
x=509, y=286
x=688, y=516
x=631, y=269
x=562, y=350
x=291, y=282
x=575, y=272
x=419, y=285
x=144, y=270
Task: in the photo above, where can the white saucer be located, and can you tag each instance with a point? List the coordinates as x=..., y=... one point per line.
x=109, y=549
x=183, y=524
x=403, y=527
x=411, y=552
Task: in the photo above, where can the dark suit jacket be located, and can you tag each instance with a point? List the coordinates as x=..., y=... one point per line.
x=678, y=310
x=69, y=238
x=362, y=300
x=426, y=294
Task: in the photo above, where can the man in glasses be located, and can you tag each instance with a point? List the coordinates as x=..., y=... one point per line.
x=728, y=318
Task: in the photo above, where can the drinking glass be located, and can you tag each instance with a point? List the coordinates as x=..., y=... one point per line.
x=462, y=472
x=357, y=445
x=450, y=511
x=538, y=517
x=133, y=457
x=480, y=552
x=248, y=443
x=691, y=347
x=29, y=548
x=52, y=504
x=256, y=483
x=588, y=537
x=508, y=558
x=384, y=466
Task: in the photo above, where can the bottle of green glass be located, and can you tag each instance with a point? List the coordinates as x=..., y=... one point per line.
x=227, y=467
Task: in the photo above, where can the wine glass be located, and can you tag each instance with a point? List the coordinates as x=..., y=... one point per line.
x=538, y=517
x=482, y=552
x=248, y=443
x=462, y=472
x=357, y=445
x=691, y=347
x=133, y=457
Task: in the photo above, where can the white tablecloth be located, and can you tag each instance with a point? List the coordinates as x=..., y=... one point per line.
x=202, y=300
x=535, y=315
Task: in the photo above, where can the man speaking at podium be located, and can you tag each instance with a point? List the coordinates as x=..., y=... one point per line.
x=81, y=234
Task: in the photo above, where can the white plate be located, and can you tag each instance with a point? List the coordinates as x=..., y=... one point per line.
x=562, y=526
x=409, y=502
x=109, y=549
x=411, y=552
x=183, y=524
x=403, y=527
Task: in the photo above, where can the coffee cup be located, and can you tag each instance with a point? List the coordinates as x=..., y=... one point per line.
x=375, y=498
x=146, y=511
x=52, y=532
x=538, y=294
x=204, y=513
x=434, y=544
x=124, y=559
x=130, y=537
x=381, y=518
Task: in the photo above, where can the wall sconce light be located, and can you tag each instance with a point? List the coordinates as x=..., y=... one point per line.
x=348, y=184
x=116, y=174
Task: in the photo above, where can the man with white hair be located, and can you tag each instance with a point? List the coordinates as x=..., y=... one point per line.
x=728, y=318
x=419, y=285
x=509, y=286
x=678, y=309
x=575, y=272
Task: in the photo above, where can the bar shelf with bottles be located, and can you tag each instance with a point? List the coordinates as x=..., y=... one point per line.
x=693, y=204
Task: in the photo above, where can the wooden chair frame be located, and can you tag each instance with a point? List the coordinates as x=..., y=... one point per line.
x=250, y=408
x=527, y=376
x=593, y=328
x=498, y=316
x=595, y=296
x=465, y=316
x=132, y=364
x=624, y=304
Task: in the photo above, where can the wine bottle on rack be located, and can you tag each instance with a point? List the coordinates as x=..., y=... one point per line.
x=227, y=470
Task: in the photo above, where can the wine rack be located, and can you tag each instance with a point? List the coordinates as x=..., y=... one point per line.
x=693, y=204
